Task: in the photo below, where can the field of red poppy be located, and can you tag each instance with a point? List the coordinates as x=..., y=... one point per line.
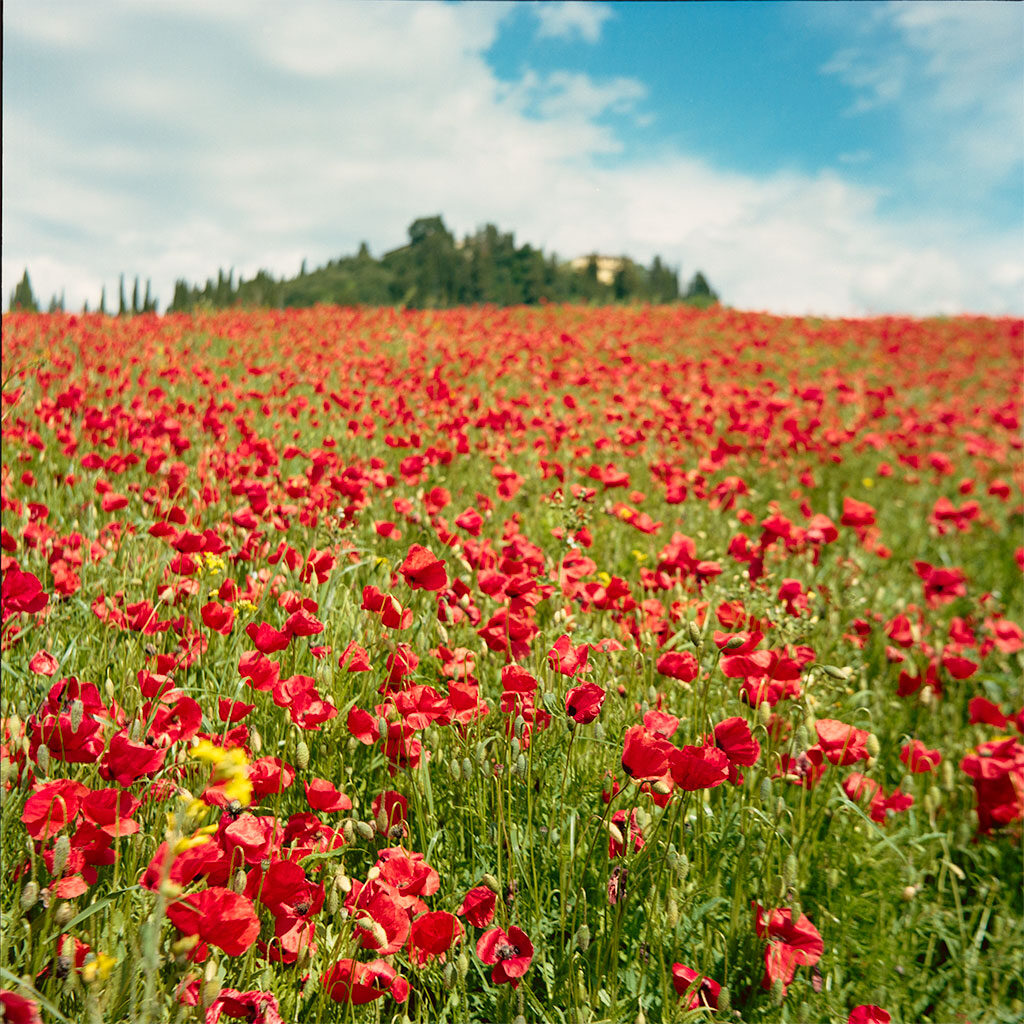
x=550, y=665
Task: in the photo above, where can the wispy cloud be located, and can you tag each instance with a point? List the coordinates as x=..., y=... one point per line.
x=570, y=19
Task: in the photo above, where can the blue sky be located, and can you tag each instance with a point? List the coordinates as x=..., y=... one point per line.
x=836, y=158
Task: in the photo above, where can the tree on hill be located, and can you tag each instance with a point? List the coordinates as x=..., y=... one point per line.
x=22, y=297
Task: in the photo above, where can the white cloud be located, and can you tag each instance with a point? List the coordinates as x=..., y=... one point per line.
x=192, y=136
x=570, y=18
x=956, y=67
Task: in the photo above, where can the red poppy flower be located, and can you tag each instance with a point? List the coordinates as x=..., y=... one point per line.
x=423, y=570
x=22, y=592
x=43, y=664
x=645, y=754
x=349, y=981
x=265, y=638
x=734, y=737
x=918, y=758
x=565, y=658
x=478, y=906
x=703, y=991
x=984, y=712
x=510, y=952
x=125, y=761
x=218, y=916
x=868, y=1014
x=322, y=795
x=432, y=935
x=254, y=1007
x=791, y=944
x=583, y=703
x=841, y=743
x=52, y=806
x=680, y=665
x=698, y=767
x=19, y=1009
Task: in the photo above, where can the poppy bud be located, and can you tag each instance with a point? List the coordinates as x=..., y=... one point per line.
x=733, y=642
x=800, y=738
x=64, y=913
x=43, y=760
x=832, y=878
x=778, y=992
x=908, y=893
x=521, y=765
x=238, y=881
x=516, y=746
x=77, y=714
x=789, y=870
x=696, y=637
x=764, y=713
x=211, y=989
x=796, y=910
x=947, y=775
x=255, y=741
x=724, y=1001
x=302, y=756
x=872, y=745
x=598, y=731
x=519, y=727
x=481, y=750
x=672, y=913
x=455, y=770
x=765, y=791
x=448, y=977
x=778, y=888
x=348, y=830
x=640, y=1018
x=462, y=966
x=582, y=938
x=332, y=902
x=832, y=672
x=108, y=688
x=683, y=867
x=810, y=721
x=61, y=852
x=491, y=882
x=29, y=895
x=366, y=831
x=467, y=768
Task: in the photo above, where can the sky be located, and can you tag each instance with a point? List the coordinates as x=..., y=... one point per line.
x=841, y=159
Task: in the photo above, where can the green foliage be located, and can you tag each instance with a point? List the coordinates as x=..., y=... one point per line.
x=22, y=298
x=434, y=271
